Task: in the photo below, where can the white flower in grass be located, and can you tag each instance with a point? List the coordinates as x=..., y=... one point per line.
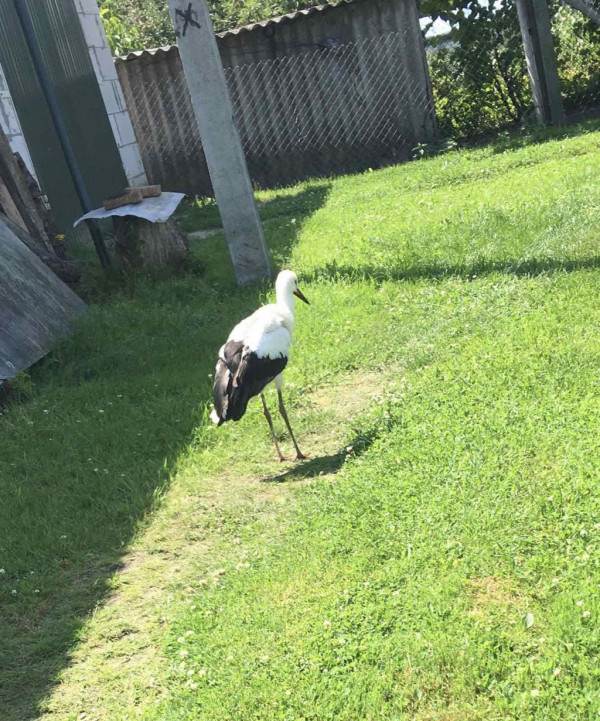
x=326, y=624
x=14, y=592
x=586, y=614
x=193, y=686
x=181, y=639
x=189, y=633
x=183, y=653
x=557, y=672
x=202, y=672
x=534, y=692
x=37, y=590
x=2, y=571
x=579, y=603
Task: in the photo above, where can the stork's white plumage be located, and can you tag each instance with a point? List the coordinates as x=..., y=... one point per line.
x=255, y=355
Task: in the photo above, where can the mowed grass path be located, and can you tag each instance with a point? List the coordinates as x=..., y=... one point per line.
x=442, y=565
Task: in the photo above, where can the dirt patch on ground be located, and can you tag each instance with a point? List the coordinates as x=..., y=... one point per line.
x=491, y=593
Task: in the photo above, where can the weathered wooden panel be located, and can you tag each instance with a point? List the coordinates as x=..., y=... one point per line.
x=36, y=307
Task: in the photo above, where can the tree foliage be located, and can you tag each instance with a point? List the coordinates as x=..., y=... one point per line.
x=137, y=24
x=478, y=70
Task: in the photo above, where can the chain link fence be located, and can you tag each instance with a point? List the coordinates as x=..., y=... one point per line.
x=336, y=109
x=344, y=108
x=577, y=46
x=167, y=134
x=479, y=75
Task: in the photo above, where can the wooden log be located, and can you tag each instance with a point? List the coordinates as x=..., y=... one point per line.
x=19, y=191
x=140, y=244
x=42, y=208
x=8, y=207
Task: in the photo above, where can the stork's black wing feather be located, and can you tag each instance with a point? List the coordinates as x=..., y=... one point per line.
x=241, y=375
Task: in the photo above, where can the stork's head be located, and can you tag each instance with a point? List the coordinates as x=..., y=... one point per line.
x=287, y=284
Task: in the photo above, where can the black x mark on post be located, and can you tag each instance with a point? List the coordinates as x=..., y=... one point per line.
x=188, y=19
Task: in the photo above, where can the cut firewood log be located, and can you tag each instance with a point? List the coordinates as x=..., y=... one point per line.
x=42, y=207
x=25, y=211
x=19, y=192
x=8, y=207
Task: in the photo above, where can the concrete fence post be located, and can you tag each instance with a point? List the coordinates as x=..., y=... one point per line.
x=534, y=20
x=220, y=138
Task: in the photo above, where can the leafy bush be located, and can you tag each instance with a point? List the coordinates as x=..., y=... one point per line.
x=577, y=44
x=478, y=72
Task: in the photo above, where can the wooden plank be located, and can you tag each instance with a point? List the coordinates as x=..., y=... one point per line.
x=36, y=307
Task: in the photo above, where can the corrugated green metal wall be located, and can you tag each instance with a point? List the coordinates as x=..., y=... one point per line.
x=63, y=46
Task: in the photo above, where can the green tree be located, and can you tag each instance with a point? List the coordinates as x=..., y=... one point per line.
x=478, y=71
x=138, y=24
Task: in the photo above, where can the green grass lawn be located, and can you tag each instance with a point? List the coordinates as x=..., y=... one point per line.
x=438, y=555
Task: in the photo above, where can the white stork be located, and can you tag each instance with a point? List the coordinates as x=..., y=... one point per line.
x=255, y=355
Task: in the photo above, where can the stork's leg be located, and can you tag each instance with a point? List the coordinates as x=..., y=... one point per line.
x=270, y=422
x=299, y=455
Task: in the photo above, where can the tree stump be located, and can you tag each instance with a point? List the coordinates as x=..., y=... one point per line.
x=140, y=244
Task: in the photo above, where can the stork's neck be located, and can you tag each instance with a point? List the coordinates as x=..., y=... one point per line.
x=285, y=299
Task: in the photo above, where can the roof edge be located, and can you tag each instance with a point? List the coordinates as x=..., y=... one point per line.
x=250, y=27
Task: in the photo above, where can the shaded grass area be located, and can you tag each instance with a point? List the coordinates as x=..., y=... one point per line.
x=93, y=449
x=398, y=583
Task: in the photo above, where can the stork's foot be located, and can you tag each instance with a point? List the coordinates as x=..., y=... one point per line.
x=298, y=457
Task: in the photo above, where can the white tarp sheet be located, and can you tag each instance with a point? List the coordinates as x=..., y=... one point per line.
x=156, y=210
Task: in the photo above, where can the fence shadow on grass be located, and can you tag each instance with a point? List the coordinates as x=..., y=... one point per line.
x=109, y=414
x=425, y=271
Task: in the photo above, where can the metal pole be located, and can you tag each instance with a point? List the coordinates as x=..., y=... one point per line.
x=59, y=124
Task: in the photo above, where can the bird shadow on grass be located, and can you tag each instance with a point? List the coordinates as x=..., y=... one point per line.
x=327, y=465
x=90, y=451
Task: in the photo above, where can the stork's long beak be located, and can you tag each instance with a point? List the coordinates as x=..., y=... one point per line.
x=300, y=295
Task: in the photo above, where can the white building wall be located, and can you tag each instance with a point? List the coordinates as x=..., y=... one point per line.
x=110, y=88
x=9, y=121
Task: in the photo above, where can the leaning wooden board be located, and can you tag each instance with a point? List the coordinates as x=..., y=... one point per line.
x=36, y=307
